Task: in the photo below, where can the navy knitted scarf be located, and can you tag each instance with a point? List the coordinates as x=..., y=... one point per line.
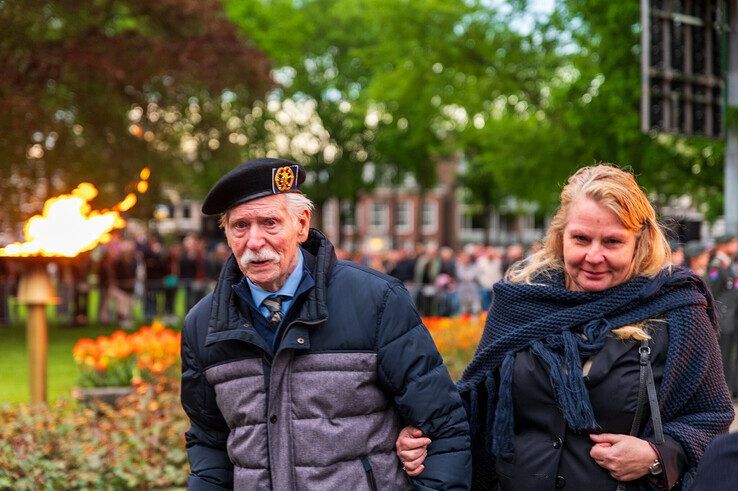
x=562, y=327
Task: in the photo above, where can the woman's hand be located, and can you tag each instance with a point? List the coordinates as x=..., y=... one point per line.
x=412, y=448
x=626, y=457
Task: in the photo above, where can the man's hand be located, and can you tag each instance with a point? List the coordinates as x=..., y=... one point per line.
x=412, y=448
x=626, y=457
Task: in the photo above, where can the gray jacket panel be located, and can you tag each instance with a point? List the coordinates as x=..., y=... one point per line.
x=317, y=437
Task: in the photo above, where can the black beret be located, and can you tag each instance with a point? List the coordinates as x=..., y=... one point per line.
x=724, y=238
x=253, y=179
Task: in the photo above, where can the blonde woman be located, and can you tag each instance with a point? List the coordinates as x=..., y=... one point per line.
x=555, y=394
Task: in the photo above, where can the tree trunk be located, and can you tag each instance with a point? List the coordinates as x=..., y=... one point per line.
x=419, y=217
x=391, y=205
x=339, y=226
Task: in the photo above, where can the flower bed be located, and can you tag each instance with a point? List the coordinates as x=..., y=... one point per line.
x=124, y=359
x=456, y=338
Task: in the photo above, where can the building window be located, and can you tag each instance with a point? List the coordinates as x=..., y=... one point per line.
x=402, y=216
x=330, y=210
x=348, y=217
x=430, y=216
x=378, y=216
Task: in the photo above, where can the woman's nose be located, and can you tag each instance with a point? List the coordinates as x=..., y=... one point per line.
x=594, y=254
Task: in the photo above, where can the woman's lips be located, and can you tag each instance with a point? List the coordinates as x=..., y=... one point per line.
x=594, y=274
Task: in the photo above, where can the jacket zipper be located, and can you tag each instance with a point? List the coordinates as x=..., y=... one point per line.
x=369, y=473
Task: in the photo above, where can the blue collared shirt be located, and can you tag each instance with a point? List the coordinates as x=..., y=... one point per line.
x=298, y=282
x=287, y=291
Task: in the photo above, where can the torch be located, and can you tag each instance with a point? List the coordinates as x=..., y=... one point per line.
x=67, y=227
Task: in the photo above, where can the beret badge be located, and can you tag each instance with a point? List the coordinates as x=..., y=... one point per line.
x=284, y=178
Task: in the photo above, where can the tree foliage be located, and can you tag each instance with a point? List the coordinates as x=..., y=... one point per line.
x=593, y=114
x=394, y=83
x=95, y=90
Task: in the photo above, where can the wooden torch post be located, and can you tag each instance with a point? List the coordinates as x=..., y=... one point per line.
x=36, y=291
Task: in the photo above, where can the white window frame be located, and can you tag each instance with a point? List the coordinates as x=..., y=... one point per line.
x=430, y=210
x=407, y=226
x=378, y=219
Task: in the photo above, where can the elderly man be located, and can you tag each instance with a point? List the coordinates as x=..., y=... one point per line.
x=299, y=370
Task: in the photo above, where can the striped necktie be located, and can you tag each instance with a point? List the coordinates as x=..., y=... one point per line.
x=274, y=306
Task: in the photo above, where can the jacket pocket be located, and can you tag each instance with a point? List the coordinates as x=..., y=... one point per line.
x=369, y=473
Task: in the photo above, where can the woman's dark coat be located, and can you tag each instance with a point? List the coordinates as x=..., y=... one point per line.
x=550, y=455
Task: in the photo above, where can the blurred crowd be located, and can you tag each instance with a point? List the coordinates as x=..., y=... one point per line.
x=444, y=281
x=145, y=276
x=149, y=273
x=125, y=274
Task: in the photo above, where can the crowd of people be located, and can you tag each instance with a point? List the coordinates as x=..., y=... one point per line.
x=146, y=270
x=125, y=271
x=441, y=281
x=444, y=281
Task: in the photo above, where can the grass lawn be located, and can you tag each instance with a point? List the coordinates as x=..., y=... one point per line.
x=62, y=371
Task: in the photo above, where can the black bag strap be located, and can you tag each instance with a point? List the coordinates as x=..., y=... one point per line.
x=644, y=359
x=653, y=398
x=646, y=391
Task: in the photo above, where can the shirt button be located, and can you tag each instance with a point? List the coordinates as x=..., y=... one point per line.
x=300, y=341
x=557, y=443
x=273, y=419
x=560, y=482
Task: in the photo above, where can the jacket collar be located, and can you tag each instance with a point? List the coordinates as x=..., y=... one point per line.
x=227, y=322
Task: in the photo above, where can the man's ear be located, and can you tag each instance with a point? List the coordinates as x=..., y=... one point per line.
x=303, y=226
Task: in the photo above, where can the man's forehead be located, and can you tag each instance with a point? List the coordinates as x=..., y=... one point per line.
x=267, y=206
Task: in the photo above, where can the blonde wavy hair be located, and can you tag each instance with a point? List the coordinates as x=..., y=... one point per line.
x=618, y=191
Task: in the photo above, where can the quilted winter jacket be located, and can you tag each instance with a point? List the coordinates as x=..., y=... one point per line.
x=355, y=365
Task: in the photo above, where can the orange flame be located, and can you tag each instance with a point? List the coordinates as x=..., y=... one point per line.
x=127, y=202
x=68, y=225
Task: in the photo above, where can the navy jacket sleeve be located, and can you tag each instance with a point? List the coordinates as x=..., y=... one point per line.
x=210, y=467
x=719, y=466
x=411, y=368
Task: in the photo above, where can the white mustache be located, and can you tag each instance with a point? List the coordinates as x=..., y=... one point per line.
x=265, y=254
